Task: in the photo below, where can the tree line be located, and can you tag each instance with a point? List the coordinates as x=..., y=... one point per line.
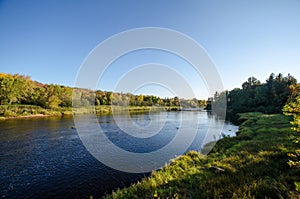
x=20, y=89
x=254, y=96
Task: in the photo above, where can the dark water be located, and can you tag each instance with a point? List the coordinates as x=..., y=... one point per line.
x=45, y=158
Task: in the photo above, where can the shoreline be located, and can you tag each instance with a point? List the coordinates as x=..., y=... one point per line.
x=98, y=110
x=38, y=115
x=27, y=116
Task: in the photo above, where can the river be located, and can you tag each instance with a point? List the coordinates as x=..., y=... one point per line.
x=45, y=157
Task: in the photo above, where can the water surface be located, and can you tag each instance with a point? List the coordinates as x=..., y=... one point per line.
x=44, y=157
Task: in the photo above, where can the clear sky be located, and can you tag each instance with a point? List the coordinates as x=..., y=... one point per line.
x=48, y=40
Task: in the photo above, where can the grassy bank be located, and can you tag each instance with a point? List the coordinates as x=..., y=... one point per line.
x=251, y=165
x=15, y=111
x=12, y=111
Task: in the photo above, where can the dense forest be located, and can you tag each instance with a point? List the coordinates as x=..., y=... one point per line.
x=268, y=97
x=21, y=90
x=254, y=96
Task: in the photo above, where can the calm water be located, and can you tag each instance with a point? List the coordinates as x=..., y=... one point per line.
x=45, y=157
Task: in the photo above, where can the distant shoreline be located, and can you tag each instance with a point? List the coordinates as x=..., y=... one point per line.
x=27, y=116
x=17, y=111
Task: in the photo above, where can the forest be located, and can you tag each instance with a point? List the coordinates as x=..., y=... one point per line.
x=254, y=96
x=20, y=91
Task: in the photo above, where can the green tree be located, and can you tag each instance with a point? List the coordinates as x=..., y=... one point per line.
x=6, y=86
x=140, y=100
x=267, y=97
x=15, y=89
x=293, y=108
x=109, y=97
x=65, y=96
x=53, y=102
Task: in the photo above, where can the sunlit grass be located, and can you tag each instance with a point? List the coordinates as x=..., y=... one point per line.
x=10, y=111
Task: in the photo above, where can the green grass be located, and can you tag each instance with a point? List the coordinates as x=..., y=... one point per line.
x=251, y=165
x=11, y=111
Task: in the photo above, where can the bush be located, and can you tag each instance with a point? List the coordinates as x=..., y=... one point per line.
x=9, y=113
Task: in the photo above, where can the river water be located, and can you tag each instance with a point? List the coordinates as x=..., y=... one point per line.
x=45, y=157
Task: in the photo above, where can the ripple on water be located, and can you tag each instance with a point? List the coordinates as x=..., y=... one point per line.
x=44, y=157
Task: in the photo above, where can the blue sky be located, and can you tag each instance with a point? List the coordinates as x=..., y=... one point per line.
x=48, y=40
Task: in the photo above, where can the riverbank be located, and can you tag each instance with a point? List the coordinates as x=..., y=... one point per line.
x=31, y=111
x=252, y=164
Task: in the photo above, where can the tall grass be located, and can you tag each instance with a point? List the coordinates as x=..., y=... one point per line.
x=17, y=110
x=10, y=111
